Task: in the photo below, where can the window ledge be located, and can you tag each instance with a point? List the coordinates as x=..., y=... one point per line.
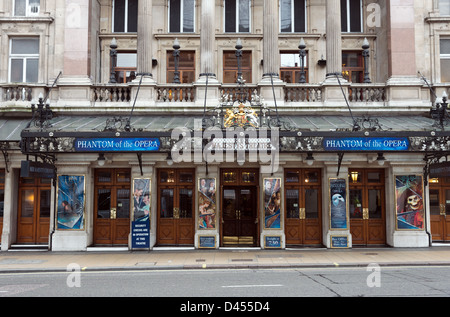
x=34, y=19
x=438, y=19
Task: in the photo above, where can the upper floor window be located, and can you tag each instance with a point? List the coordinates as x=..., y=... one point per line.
x=237, y=16
x=181, y=16
x=290, y=70
x=230, y=67
x=125, y=15
x=24, y=60
x=292, y=16
x=26, y=7
x=353, y=66
x=351, y=15
x=445, y=60
x=126, y=67
x=444, y=7
x=186, y=67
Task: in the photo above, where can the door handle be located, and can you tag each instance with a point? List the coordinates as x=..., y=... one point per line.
x=442, y=210
x=365, y=213
x=302, y=213
x=176, y=213
x=113, y=213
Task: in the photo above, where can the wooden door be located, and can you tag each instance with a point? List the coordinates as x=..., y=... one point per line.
x=303, y=207
x=175, y=207
x=33, y=221
x=239, y=216
x=440, y=212
x=367, y=207
x=112, y=206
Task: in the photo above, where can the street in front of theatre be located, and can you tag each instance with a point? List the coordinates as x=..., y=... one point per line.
x=230, y=272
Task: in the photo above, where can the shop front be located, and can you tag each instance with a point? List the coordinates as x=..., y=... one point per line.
x=300, y=186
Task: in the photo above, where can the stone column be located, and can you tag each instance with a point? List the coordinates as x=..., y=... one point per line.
x=144, y=86
x=145, y=37
x=271, y=57
x=334, y=41
x=207, y=57
x=271, y=54
x=207, y=39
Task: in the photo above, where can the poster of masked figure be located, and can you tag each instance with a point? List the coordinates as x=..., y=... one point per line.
x=207, y=203
x=272, y=203
x=409, y=202
x=71, y=202
x=338, y=204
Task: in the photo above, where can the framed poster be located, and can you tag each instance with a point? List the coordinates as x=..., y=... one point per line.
x=409, y=202
x=70, y=202
x=141, y=199
x=272, y=203
x=206, y=203
x=338, y=203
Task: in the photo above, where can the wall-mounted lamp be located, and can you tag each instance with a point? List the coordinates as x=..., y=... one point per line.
x=101, y=159
x=354, y=175
x=381, y=159
x=310, y=159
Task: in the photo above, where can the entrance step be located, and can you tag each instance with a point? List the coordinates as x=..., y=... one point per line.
x=107, y=249
x=28, y=247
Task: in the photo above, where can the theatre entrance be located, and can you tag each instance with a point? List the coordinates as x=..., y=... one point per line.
x=367, y=206
x=303, y=196
x=33, y=221
x=440, y=209
x=176, y=207
x=112, y=206
x=239, y=223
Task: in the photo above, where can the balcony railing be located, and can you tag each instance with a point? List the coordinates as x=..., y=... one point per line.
x=378, y=96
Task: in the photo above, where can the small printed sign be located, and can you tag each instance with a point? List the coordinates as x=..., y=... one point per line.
x=273, y=242
x=140, y=234
x=207, y=242
x=339, y=242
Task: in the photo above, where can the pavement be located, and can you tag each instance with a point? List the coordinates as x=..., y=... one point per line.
x=96, y=259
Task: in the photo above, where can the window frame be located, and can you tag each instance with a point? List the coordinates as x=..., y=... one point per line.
x=443, y=57
x=237, y=17
x=244, y=68
x=293, y=18
x=448, y=8
x=348, y=13
x=24, y=58
x=28, y=12
x=181, y=68
x=125, y=19
x=182, y=25
x=351, y=69
x=294, y=69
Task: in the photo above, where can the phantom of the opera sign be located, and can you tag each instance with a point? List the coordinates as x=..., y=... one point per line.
x=366, y=144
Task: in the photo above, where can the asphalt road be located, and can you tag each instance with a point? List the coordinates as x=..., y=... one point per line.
x=243, y=285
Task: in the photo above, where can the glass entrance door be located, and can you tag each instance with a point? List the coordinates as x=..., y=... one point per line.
x=239, y=216
x=303, y=207
x=367, y=207
x=175, y=207
x=33, y=221
x=112, y=207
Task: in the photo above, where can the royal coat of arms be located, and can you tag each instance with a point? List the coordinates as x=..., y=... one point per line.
x=241, y=115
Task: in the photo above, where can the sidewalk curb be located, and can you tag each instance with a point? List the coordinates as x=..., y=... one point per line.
x=220, y=267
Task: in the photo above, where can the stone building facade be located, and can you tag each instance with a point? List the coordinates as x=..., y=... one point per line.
x=337, y=88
